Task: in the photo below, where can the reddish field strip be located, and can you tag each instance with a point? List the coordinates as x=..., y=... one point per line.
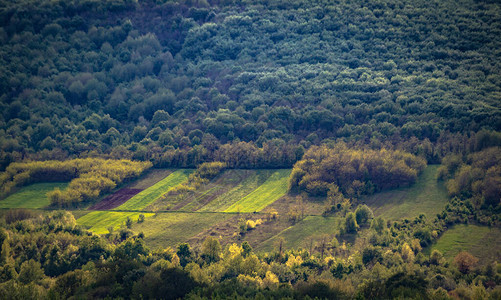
x=116, y=199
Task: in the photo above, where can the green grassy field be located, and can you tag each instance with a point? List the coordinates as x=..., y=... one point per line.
x=300, y=234
x=99, y=221
x=146, y=197
x=32, y=196
x=481, y=241
x=169, y=229
x=252, y=180
x=426, y=196
x=150, y=178
x=270, y=191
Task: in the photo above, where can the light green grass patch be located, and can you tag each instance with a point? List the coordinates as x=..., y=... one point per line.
x=270, y=191
x=481, y=241
x=148, y=196
x=32, y=196
x=427, y=196
x=252, y=180
x=301, y=234
x=99, y=221
x=169, y=229
x=79, y=213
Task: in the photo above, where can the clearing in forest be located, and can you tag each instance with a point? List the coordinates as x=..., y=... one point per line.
x=427, y=196
x=99, y=221
x=32, y=196
x=303, y=233
x=481, y=241
x=149, y=195
x=271, y=190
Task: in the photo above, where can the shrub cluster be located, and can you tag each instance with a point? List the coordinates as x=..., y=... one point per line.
x=90, y=177
x=353, y=171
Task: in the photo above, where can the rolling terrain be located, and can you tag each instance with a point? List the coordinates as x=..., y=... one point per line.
x=267, y=193
x=301, y=234
x=236, y=149
x=216, y=208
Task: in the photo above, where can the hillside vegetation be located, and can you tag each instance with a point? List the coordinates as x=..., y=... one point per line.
x=294, y=144
x=250, y=83
x=89, y=178
x=102, y=222
x=352, y=171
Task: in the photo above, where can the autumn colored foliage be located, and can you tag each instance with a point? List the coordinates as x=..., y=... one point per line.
x=354, y=171
x=476, y=176
x=90, y=177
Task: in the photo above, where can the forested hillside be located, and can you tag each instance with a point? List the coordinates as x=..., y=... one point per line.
x=250, y=149
x=251, y=83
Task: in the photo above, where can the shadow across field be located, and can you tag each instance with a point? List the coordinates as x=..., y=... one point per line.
x=270, y=191
x=481, y=241
x=427, y=196
x=151, y=194
x=302, y=233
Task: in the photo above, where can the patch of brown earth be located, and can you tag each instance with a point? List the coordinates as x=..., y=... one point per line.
x=116, y=199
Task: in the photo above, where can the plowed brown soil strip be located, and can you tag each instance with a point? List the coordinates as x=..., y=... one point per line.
x=115, y=199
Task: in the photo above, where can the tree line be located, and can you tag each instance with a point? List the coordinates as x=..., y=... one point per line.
x=89, y=178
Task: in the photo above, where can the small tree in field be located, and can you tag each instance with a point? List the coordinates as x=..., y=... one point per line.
x=351, y=223
x=140, y=219
x=465, y=262
x=128, y=223
x=211, y=250
x=363, y=214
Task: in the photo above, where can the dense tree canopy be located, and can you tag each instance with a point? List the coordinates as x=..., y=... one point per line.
x=355, y=96
x=353, y=171
x=180, y=82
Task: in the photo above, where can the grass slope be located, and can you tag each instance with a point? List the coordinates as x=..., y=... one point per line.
x=270, y=191
x=169, y=229
x=146, y=197
x=32, y=196
x=252, y=180
x=426, y=196
x=151, y=177
x=99, y=221
x=481, y=241
x=301, y=234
